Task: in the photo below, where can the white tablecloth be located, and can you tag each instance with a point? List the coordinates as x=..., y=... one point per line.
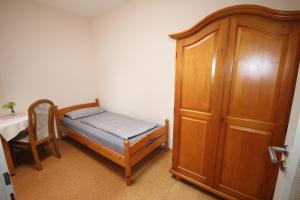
x=9, y=128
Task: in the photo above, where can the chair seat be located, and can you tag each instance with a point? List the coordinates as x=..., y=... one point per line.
x=23, y=136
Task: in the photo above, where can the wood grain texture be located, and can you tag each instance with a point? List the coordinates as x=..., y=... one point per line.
x=258, y=53
x=239, y=9
x=198, y=103
x=192, y=159
x=233, y=100
x=243, y=165
x=197, y=81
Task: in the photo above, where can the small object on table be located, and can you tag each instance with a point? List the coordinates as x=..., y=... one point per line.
x=10, y=106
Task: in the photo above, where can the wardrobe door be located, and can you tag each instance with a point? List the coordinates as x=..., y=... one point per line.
x=260, y=74
x=199, y=69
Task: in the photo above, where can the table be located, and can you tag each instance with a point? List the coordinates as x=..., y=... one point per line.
x=10, y=126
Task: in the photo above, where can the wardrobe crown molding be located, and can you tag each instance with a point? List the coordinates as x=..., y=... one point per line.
x=239, y=9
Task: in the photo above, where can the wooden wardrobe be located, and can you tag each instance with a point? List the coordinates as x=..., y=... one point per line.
x=235, y=78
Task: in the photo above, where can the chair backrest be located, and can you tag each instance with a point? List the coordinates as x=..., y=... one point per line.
x=41, y=119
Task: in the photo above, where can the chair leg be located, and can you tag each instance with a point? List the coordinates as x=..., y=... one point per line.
x=57, y=151
x=36, y=157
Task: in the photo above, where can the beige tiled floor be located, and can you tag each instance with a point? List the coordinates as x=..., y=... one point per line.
x=83, y=174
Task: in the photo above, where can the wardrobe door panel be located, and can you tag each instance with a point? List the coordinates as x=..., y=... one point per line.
x=258, y=69
x=197, y=74
x=240, y=156
x=256, y=104
x=193, y=134
x=198, y=103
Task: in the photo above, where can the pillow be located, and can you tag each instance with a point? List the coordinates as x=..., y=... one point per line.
x=84, y=112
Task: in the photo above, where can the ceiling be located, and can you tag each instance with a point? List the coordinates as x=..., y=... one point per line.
x=83, y=7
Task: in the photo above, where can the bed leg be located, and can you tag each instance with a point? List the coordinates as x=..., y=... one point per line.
x=128, y=176
x=166, y=144
x=128, y=171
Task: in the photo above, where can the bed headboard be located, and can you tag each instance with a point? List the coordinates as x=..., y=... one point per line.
x=60, y=113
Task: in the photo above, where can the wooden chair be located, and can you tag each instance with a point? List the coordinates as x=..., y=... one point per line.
x=40, y=130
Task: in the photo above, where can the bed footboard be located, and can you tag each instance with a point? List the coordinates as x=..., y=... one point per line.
x=141, y=148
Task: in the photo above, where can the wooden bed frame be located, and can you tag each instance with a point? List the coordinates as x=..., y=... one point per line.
x=133, y=153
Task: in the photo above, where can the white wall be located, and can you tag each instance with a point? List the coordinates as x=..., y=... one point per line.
x=48, y=53
x=137, y=58
x=295, y=192
x=44, y=53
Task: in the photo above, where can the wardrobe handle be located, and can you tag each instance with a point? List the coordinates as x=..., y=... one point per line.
x=272, y=152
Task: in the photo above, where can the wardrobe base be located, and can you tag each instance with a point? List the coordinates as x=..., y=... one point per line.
x=179, y=176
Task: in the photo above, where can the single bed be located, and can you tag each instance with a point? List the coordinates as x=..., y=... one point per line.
x=125, y=152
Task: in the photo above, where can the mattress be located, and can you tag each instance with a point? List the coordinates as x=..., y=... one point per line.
x=101, y=137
